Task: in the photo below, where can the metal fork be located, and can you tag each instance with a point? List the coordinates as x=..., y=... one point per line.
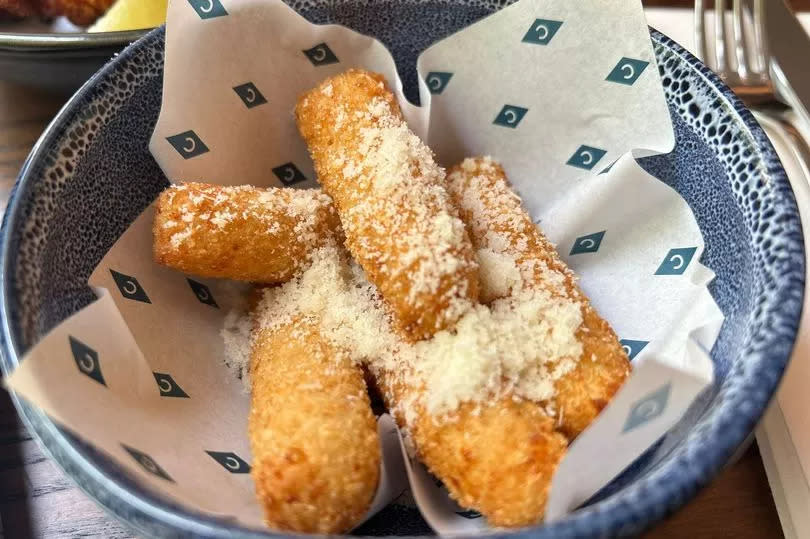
x=751, y=81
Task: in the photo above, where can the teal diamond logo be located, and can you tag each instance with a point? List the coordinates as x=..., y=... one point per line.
x=86, y=359
x=147, y=463
x=510, y=116
x=321, y=55
x=168, y=387
x=647, y=408
x=676, y=261
x=586, y=157
x=587, y=244
x=437, y=81
x=289, y=174
x=627, y=71
x=632, y=348
x=541, y=31
x=202, y=292
x=188, y=144
x=129, y=287
x=230, y=461
x=250, y=95
x=208, y=9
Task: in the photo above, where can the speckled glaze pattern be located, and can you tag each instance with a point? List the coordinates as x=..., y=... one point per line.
x=74, y=200
x=91, y=175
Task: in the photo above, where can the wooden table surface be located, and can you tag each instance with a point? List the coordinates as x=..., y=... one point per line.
x=37, y=500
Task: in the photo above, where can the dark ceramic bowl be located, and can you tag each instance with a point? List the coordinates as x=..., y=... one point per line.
x=91, y=174
x=59, y=62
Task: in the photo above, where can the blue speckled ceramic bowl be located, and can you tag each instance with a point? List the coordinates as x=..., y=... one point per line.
x=91, y=174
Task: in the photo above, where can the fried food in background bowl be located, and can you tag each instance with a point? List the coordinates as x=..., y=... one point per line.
x=98, y=15
x=57, y=45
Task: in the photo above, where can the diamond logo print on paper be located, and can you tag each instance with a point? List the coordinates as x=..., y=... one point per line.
x=541, y=31
x=510, y=116
x=437, y=81
x=647, y=408
x=230, y=461
x=321, y=55
x=130, y=287
x=632, y=348
x=188, y=144
x=147, y=463
x=676, y=261
x=168, y=387
x=587, y=244
x=208, y=9
x=250, y=95
x=202, y=292
x=87, y=360
x=627, y=71
x=586, y=157
x=289, y=174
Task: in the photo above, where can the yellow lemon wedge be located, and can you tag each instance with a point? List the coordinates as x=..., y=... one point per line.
x=132, y=15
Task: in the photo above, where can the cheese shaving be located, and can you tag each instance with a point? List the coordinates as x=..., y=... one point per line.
x=236, y=336
x=210, y=208
x=519, y=345
x=399, y=221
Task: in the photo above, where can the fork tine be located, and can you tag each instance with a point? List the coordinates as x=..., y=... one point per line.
x=701, y=41
x=763, y=58
x=720, y=52
x=743, y=69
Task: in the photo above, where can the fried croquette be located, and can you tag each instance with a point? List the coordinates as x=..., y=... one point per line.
x=400, y=223
x=316, y=452
x=498, y=458
x=241, y=233
x=500, y=226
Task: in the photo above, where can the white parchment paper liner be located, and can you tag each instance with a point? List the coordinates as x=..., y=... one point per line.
x=554, y=90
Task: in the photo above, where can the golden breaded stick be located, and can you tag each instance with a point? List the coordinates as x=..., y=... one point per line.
x=399, y=221
x=498, y=223
x=497, y=458
x=316, y=453
x=496, y=455
x=241, y=233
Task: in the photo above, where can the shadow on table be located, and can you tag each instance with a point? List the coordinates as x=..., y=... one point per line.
x=15, y=518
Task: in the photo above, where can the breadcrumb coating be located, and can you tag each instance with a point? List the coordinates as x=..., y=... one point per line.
x=242, y=233
x=316, y=452
x=501, y=227
x=400, y=223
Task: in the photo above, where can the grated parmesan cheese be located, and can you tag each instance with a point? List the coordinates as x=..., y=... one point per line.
x=518, y=345
x=400, y=223
x=236, y=336
x=499, y=274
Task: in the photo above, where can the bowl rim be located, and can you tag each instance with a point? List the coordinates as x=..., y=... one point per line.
x=150, y=516
x=53, y=42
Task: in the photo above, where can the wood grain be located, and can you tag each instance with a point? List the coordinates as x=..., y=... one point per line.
x=24, y=113
x=37, y=500
x=736, y=504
